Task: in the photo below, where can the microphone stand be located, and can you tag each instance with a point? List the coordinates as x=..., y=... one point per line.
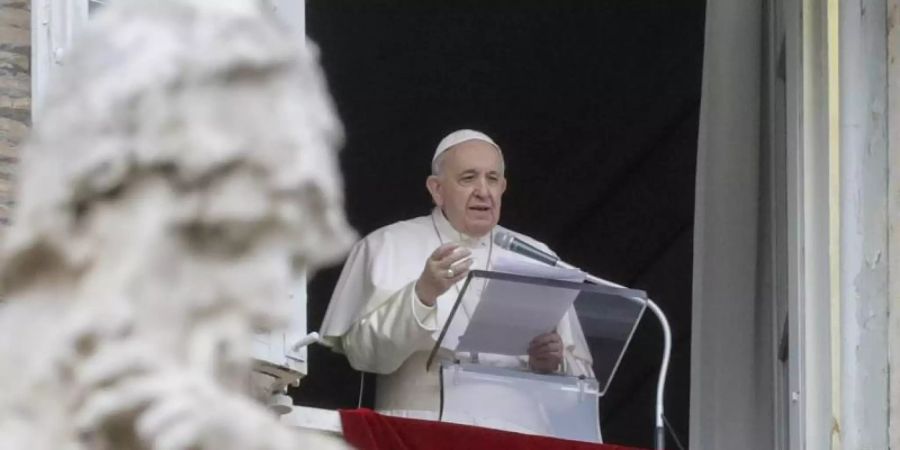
x=660, y=432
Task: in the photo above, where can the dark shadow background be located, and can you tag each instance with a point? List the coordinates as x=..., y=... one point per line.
x=595, y=104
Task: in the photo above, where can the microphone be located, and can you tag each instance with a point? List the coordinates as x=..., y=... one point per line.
x=506, y=240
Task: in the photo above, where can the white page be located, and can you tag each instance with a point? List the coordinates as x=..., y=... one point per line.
x=510, y=314
x=523, y=266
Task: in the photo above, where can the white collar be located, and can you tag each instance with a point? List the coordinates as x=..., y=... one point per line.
x=450, y=234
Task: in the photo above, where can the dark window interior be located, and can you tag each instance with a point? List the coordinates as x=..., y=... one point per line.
x=596, y=106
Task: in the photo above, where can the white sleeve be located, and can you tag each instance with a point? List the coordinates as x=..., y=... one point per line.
x=381, y=340
x=575, y=366
x=577, y=358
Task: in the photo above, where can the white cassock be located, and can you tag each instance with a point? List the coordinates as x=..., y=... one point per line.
x=376, y=319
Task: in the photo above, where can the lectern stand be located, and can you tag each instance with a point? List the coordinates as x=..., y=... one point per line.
x=495, y=317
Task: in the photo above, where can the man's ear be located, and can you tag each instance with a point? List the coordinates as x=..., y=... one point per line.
x=502, y=185
x=433, y=184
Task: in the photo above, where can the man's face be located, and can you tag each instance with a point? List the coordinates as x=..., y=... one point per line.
x=469, y=187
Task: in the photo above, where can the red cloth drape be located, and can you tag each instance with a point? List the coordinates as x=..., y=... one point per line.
x=368, y=430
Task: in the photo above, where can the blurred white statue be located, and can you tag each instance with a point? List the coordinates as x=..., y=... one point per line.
x=183, y=169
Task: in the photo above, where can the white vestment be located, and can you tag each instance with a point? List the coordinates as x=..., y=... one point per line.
x=376, y=319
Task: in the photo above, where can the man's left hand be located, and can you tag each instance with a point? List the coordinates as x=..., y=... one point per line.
x=545, y=352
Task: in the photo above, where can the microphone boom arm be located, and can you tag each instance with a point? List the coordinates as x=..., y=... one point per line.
x=660, y=432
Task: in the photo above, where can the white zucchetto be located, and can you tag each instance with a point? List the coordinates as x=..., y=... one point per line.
x=460, y=136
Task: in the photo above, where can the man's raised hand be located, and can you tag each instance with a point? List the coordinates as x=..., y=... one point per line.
x=443, y=268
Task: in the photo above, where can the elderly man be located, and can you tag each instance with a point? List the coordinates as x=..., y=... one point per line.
x=399, y=283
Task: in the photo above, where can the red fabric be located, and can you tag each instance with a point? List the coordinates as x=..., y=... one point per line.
x=368, y=430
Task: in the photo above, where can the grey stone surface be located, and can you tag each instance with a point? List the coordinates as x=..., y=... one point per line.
x=15, y=92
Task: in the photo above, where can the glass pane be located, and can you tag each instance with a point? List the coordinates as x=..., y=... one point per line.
x=607, y=317
x=608, y=320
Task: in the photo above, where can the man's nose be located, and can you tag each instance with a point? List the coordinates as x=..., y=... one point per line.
x=481, y=187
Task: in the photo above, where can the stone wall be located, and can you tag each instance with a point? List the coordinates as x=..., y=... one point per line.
x=15, y=92
x=894, y=218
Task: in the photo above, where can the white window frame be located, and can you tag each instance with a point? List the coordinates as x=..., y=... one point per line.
x=810, y=202
x=54, y=25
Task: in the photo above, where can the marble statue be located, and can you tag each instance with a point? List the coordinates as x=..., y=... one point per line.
x=182, y=171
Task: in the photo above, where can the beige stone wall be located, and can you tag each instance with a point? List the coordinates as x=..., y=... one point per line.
x=15, y=92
